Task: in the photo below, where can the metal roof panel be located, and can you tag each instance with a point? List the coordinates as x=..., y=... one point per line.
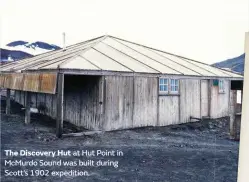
x=123, y=59
x=103, y=62
x=140, y=57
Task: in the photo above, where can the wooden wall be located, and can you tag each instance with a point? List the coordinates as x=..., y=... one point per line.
x=145, y=101
x=81, y=101
x=168, y=110
x=130, y=102
x=220, y=101
x=189, y=99
x=116, y=102
x=204, y=98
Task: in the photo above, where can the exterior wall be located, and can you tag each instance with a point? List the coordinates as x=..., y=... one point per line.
x=81, y=101
x=204, y=98
x=130, y=102
x=117, y=102
x=220, y=101
x=145, y=102
x=189, y=99
x=168, y=110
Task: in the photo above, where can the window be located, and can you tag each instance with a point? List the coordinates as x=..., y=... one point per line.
x=221, y=86
x=174, y=86
x=168, y=86
x=163, y=85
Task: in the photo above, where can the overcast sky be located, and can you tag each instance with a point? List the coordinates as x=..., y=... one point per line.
x=205, y=30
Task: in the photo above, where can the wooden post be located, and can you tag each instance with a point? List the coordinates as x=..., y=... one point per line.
x=232, y=113
x=101, y=102
x=60, y=98
x=8, y=102
x=27, y=107
x=241, y=97
x=209, y=97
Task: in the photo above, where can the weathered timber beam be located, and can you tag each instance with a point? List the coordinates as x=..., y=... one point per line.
x=85, y=133
x=60, y=100
x=8, y=102
x=27, y=107
x=232, y=114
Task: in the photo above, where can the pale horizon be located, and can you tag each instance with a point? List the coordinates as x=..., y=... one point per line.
x=207, y=31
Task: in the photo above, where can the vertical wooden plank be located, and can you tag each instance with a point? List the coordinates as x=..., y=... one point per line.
x=233, y=103
x=101, y=101
x=60, y=95
x=8, y=101
x=168, y=110
x=201, y=99
x=209, y=97
x=241, y=96
x=190, y=105
x=158, y=116
x=27, y=108
x=133, y=100
x=104, y=104
x=102, y=93
x=179, y=102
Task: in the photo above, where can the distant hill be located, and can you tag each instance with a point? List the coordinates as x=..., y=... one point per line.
x=235, y=64
x=33, y=48
x=15, y=55
x=22, y=49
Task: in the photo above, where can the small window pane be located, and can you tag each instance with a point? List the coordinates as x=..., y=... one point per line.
x=161, y=81
x=163, y=84
x=221, y=86
x=172, y=82
x=174, y=85
x=177, y=82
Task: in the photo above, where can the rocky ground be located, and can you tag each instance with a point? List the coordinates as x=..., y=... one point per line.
x=193, y=152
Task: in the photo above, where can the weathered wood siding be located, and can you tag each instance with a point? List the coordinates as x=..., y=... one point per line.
x=220, y=101
x=168, y=110
x=130, y=102
x=204, y=98
x=189, y=100
x=82, y=102
x=116, y=102
x=145, y=101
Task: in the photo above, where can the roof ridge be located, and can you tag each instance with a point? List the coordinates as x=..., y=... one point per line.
x=83, y=51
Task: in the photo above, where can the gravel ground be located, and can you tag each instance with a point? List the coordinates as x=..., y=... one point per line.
x=192, y=152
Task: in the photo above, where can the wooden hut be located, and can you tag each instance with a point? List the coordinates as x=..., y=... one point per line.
x=108, y=83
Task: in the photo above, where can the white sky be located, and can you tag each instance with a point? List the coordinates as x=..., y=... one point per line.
x=205, y=30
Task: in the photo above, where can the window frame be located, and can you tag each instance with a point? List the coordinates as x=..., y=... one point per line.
x=170, y=91
x=221, y=89
x=174, y=85
x=163, y=91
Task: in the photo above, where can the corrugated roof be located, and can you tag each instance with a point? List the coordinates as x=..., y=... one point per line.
x=108, y=53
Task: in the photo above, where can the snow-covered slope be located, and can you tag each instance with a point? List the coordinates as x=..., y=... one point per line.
x=32, y=48
x=6, y=55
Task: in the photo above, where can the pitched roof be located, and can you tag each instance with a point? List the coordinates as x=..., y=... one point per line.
x=108, y=53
